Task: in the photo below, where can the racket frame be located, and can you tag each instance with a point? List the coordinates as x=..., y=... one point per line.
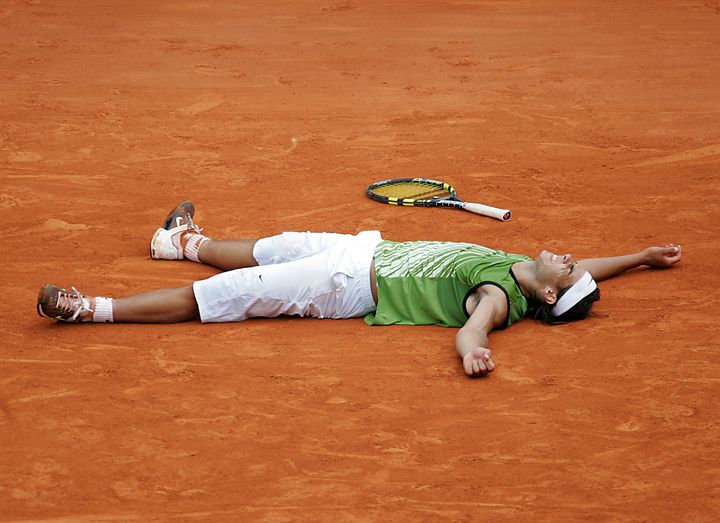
x=451, y=200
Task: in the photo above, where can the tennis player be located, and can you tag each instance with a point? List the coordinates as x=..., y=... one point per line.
x=328, y=275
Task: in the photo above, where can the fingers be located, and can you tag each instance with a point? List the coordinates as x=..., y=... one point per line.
x=467, y=365
x=478, y=363
x=479, y=367
x=665, y=256
x=673, y=253
x=490, y=364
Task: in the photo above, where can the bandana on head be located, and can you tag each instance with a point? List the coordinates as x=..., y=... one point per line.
x=574, y=294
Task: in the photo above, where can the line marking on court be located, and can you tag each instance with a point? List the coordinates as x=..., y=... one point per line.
x=202, y=106
x=49, y=395
x=692, y=154
x=21, y=360
x=321, y=210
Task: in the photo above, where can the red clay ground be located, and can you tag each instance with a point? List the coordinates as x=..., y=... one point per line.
x=595, y=122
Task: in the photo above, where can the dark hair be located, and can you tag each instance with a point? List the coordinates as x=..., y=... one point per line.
x=541, y=311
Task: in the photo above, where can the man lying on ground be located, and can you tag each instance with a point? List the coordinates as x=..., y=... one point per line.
x=328, y=275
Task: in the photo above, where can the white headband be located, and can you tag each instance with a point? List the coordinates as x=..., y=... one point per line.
x=574, y=294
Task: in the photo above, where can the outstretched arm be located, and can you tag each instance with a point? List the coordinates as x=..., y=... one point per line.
x=658, y=257
x=471, y=341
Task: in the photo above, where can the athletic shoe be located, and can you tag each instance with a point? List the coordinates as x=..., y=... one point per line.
x=166, y=243
x=178, y=215
x=62, y=305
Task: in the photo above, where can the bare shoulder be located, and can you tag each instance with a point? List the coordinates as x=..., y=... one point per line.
x=492, y=291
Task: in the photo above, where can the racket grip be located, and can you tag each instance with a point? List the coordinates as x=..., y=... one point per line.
x=486, y=210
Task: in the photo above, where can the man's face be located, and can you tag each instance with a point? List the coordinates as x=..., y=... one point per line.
x=557, y=271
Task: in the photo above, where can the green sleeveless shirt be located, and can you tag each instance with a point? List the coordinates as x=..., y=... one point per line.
x=427, y=283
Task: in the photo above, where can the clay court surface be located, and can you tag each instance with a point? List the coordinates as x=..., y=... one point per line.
x=596, y=122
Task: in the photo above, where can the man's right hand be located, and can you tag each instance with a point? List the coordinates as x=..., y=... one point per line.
x=478, y=362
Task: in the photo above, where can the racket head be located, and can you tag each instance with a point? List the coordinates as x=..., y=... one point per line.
x=412, y=192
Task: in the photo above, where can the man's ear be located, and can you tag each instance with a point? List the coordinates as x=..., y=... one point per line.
x=549, y=295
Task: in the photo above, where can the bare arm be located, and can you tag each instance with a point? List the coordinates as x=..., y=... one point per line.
x=471, y=341
x=659, y=257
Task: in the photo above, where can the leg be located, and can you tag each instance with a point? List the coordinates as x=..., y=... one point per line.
x=163, y=306
x=227, y=255
x=334, y=283
x=180, y=238
x=237, y=254
x=305, y=285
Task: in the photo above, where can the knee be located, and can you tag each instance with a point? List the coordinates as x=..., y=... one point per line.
x=190, y=305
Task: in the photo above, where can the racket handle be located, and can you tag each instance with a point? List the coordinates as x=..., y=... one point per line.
x=486, y=210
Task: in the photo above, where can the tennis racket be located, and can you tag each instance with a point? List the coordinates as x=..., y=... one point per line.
x=424, y=192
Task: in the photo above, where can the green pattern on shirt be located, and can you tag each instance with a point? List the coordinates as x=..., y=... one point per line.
x=426, y=283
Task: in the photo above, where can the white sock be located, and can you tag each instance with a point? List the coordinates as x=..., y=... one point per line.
x=192, y=247
x=103, y=310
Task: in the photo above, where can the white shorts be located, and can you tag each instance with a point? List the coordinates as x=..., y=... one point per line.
x=322, y=275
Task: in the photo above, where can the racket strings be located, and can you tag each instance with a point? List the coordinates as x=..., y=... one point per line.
x=414, y=191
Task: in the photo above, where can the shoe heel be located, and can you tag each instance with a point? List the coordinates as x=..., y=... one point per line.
x=41, y=299
x=154, y=254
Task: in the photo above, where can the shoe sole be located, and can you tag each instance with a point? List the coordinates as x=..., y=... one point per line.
x=181, y=209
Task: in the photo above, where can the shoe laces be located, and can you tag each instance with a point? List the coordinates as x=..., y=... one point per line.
x=191, y=226
x=72, y=301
